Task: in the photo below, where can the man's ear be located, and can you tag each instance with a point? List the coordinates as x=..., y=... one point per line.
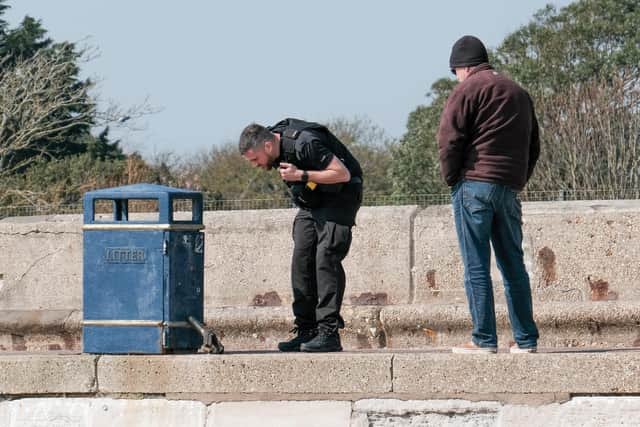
x=268, y=147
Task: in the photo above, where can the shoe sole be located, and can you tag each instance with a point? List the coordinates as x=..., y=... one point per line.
x=294, y=350
x=479, y=350
x=324, y=350
x=517, y=350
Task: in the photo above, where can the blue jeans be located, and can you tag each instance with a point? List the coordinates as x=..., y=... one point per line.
x=491, y=213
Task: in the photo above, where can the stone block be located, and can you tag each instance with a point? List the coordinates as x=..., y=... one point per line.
x=41, y=263
x=560, y=372
x=47, y=374
x=246, y=373
x=280, y=414
x=103, y=412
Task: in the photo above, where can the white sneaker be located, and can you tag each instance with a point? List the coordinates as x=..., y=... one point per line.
x=515, y=349
x=472, y=348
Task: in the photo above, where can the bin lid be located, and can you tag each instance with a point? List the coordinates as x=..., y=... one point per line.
x=138, y=191
x=119, y=214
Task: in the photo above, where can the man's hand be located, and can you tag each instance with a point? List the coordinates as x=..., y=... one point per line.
x=289, y=172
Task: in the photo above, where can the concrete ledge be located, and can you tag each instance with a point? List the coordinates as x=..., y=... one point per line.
x=341, y=376
x=578, y=373
x=247, y=373
x=47, y=374
x=579, y=324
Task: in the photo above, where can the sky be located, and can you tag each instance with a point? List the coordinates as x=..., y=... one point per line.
x=211, y=67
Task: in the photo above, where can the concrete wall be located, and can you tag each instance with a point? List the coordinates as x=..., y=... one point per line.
x=354, y=389
x=575, y=251
x=107, y=412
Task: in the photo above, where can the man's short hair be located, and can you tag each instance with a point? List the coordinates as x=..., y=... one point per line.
x=253, y=136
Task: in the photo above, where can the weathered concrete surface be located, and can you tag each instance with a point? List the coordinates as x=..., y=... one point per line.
x=99, y=412
x=247, y=373
x=102, y=412
x=575, y=251
x=580, y=411
x=261, y=328
x=47, y=374
x=601, y=324
x=578, y=324
x=280, y=414
x=40, y=330
x=392, y=412
x=41, y=263
x=248, y=257
x=579, y=373
x=325, y=376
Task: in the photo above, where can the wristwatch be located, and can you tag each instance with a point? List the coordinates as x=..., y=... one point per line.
x=304, y=177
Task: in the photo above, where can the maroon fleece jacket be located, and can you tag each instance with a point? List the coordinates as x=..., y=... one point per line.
x=488, y=131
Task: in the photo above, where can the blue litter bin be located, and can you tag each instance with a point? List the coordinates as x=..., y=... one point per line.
x=143, y=270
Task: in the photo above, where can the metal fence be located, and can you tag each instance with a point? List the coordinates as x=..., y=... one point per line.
x=212, y=204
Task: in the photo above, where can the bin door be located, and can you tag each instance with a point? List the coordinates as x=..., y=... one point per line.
x=184, y=289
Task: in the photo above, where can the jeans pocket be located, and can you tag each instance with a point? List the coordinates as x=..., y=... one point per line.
x=476, y=196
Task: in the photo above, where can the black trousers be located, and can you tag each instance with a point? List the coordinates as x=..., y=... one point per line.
x=317, y=276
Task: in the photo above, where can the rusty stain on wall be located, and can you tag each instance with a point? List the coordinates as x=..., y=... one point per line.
x=600, y=290
x=431, y=283
x=431, y=334
x=269, y=299
x=547, y=265
x=370, y=298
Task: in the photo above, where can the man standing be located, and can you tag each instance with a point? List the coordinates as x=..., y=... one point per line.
x=326, y=184
x=488, y=146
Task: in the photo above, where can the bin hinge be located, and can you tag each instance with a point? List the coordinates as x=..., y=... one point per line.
x=164, y=247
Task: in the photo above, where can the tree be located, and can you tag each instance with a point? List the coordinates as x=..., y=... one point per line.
x=371, y=146
x=39, y=110
x=585, y=40
x=581, y=65
x=46, y=115
x=415, y=168
x=225, y=175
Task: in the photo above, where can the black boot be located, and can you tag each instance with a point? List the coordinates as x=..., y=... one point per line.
x=325, y=341
x=302, y=336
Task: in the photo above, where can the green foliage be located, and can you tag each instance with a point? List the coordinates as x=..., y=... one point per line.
x=47, y=115
x=23, y=42
x=371, y=146
x=225, y=174
x=560, y=57
x=582, y=67
x=587, y=39
x=3, y=23
x=60, y=181
x=415, y=167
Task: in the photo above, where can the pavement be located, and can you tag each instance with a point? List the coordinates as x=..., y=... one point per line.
x=354, y=374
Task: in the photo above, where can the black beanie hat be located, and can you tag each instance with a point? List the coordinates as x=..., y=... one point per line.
x=467, y=52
